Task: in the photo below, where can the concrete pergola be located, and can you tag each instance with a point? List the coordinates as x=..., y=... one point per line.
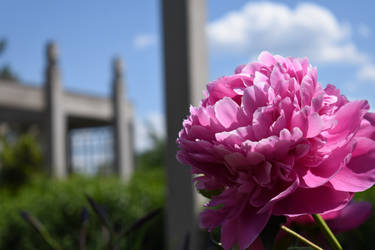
x=58, y=111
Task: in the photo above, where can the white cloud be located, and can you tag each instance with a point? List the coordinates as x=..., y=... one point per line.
x=367, y=72
x=142, y=41
x=307, y=30
x=363, y=30
x=156, y=122
x=153, y=121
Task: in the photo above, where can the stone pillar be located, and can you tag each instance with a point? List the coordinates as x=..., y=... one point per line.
x=123, y=158
x=55, y=117
x=185, y=66
x=130, y=142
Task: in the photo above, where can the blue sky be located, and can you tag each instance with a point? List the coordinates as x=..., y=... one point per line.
x=337, y=36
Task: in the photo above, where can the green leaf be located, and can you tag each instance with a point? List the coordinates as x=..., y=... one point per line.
x=99, y=211
x=39, y=228
x=140, y=222
x=209, y=193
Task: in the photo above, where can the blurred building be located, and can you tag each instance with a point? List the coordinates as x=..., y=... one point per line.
x=80, y=132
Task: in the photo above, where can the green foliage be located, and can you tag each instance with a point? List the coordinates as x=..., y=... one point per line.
x=19, y=160
x=361, y=238
x=58, y=205
x=155, y=157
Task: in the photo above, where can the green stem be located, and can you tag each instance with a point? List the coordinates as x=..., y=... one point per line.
x=333, y=242
x=300, y=237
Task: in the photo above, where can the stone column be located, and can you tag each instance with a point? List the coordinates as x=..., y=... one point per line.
x=123, y=158
x=185, y=65
x=55, y=117
x=130, y=142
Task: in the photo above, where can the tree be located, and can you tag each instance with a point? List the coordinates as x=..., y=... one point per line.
x=6, y=72
x=154, y=157
x=2, y=46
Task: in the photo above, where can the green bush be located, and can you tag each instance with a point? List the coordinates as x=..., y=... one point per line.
x=58, y=205
x=20, y=160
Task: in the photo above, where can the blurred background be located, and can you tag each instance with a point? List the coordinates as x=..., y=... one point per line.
x=336, y=36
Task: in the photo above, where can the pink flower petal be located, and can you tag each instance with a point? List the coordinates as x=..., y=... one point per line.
x=284, y=193
x=300, y=120
x=229, y=233
x=370, y=117
x=229, y=138
x=307, y=90
x=226, y=111
x=262, y=120
x=349, y=116
x=350, y=217
x=250, y=226
x=315, y=125
x=211, y=218
x=237, y=161
x=253, y=98
x=359, y=174
x=329, y=167
x=278, y=82
x=312, y=201
x=279, y=124
x=199, y=132
x=266, y=58
x=345, y=219
x=239, y=69
x=254, y=158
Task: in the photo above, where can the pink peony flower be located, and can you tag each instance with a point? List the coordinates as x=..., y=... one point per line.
x=274, y=141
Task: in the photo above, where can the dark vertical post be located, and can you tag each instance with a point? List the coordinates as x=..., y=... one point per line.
x=185, y=75
x=69, y=151
x=122, y=147
x=55, y=117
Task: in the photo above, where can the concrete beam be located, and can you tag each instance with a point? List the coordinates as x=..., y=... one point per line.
x=85, y=106
x=21, y=116
x=19, y=96
x=185, y=76
x=30, y=100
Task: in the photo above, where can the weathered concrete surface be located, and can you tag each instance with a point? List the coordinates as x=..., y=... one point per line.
x=185, y=76
x=17, y=96
x=55, y=117
x=122, y=140
x=85, y=106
